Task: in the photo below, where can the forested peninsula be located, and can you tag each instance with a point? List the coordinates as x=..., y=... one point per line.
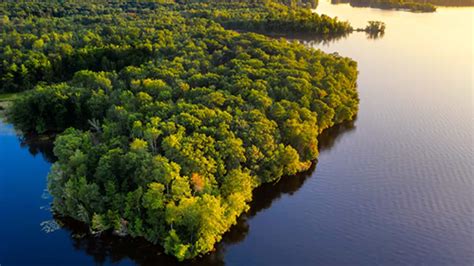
x=167, y=119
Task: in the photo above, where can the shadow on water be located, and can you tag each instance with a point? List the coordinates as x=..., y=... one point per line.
x=109, y=248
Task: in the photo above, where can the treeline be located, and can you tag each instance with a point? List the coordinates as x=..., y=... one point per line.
x=446, y=2
x=269, y=18
x=169, y=122
x=412, y=6
x=48, y=42
x=395, y=4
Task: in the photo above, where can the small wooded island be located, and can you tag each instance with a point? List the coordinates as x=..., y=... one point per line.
x=169, y=120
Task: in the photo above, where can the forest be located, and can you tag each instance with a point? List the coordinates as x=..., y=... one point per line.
x=167, y=119
x=44, y=42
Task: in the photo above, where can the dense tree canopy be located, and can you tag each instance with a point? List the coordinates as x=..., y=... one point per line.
x=51, y=41
x=270, y=17
x=169, y=121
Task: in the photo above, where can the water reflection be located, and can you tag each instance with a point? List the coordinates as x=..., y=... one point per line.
x=315, y=40
x=35, y=144
x=374, y=35
x=309, y=38
x=108, y=248
x=328, y=137
x=39, y=145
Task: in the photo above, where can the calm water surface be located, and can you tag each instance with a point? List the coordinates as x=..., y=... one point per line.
x=394, y=187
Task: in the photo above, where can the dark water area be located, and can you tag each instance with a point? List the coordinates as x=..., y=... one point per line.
x=394, y=187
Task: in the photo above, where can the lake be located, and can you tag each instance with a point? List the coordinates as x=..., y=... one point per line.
x=396, y=186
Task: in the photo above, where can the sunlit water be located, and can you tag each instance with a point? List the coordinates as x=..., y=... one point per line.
x=395, y=188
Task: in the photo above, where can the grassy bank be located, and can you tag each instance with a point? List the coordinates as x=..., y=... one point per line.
x=6, y=99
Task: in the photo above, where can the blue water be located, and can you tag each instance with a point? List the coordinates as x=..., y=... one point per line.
x=24, y=204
